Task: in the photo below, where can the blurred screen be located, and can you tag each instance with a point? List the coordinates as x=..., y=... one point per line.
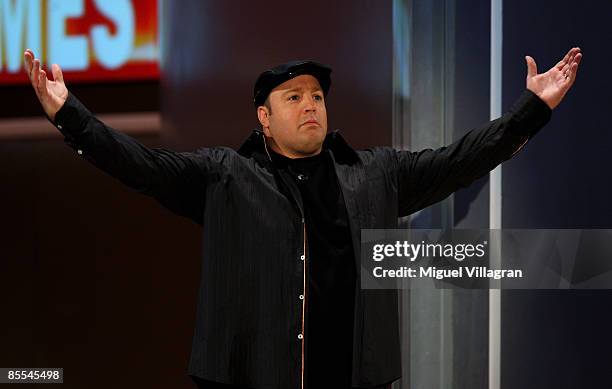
x=92, y=40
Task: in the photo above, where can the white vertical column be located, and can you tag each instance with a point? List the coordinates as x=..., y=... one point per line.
x=495, y=197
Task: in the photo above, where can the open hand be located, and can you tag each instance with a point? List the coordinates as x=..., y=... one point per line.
x=51, y=94
x=552, y=86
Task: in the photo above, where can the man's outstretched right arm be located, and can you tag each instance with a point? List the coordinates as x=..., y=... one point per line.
x=176, y=180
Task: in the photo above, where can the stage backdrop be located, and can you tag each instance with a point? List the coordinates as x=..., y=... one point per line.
x=559, y=339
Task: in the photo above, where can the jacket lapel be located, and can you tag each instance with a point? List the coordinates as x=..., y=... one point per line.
x=351, y=179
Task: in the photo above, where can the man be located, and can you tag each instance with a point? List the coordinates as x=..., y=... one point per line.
x=280, y=304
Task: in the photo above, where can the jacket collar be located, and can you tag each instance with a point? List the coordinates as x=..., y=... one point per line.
x=254, y=146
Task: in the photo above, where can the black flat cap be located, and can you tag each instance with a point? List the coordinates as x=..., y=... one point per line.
x=272, y=78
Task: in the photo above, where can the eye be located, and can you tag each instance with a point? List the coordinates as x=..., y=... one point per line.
x=294, y=97
x=318, y=97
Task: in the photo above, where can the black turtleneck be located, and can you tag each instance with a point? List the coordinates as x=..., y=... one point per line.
x=331, y=269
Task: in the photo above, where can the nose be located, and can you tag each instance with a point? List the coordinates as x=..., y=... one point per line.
x=309, y=104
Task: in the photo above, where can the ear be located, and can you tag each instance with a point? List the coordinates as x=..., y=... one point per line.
x=264, y=119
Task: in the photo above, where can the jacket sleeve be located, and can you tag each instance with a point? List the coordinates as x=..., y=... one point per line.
x=429, y=176
x=176, y=179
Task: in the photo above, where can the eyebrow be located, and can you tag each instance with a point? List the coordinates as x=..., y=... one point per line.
x=298, y=89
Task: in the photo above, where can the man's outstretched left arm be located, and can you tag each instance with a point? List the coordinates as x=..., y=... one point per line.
x=429, y=176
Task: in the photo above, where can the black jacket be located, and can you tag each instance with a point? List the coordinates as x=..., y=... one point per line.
x=250, y=319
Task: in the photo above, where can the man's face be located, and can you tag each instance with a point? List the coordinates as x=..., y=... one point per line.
x=296, y=121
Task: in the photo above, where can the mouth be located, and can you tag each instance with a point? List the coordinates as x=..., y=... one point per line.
x=312, y=121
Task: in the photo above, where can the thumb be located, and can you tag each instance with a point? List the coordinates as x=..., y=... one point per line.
x=57, y=73
x=532, y=68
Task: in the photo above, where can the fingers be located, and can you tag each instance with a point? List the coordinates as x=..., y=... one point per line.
x=573, y=69
x=566, y=61
x=32, y=67
x=569, y=69
x=57, y=73
x=578, y=58
x=567, y=64
x=532, y=68
x=28, y=57
x=35, y=73
x=42, y=84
